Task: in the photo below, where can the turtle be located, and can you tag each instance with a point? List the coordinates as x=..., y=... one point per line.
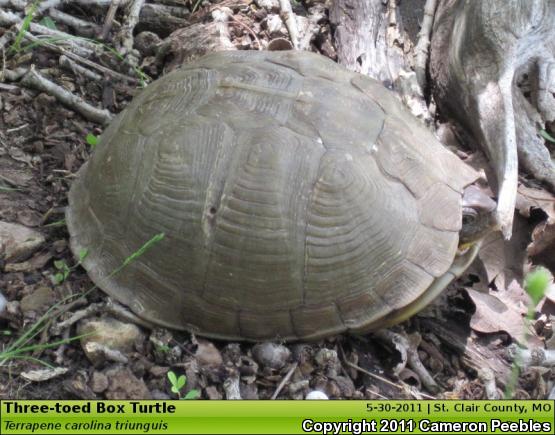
x=297, y=199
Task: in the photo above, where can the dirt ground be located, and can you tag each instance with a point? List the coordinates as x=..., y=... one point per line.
x=44, y=142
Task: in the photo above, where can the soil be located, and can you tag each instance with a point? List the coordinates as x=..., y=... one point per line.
x=42, y=145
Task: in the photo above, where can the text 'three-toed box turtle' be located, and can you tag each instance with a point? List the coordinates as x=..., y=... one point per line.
x=298, y=200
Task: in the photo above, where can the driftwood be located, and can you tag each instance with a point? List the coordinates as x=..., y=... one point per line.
x=478, y=50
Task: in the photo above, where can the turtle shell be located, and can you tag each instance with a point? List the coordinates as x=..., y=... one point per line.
x=298, y=200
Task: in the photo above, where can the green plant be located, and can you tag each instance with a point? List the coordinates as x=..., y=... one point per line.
x=536, y=284
x=92, y=140
x=64, y=270
x=178, y=383
x=20, y=347
x=16, y=46
x=48, y=22
x=547, y=136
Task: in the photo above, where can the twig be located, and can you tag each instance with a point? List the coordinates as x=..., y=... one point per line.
x=126, y=33
x=84, y=61
x=8, y=18
x=69, y=64
x=34, y=80
x=290, y=21
x=284, y=380
x=82, y=27
x=422, y=47
x=109, y=19
x=90, y=47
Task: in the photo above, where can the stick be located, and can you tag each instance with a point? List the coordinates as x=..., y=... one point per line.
x=82, y=27
x=126, y=33
x=69, y=64
x=423, y=44
x=284, y=380
x=109, y=20
x=34, y=80
x=290, y=21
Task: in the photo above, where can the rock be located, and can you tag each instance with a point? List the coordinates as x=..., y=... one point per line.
x=146, y=43
x=326, y=358
x=124, y=385
x=271, y=355
x=99, y=382
x=274, y=23
x=316, y=395
x=107, y=333
x=158, y=371
x=268, y=4
x=208, y=355
x=17, y=242
x=39, y=299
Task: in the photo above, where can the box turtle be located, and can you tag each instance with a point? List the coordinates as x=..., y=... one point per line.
x=298, y=200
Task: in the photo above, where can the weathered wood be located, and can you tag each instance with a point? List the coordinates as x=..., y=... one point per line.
x=477, y=49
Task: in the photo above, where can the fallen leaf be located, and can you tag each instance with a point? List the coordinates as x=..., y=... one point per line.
x=503, y=311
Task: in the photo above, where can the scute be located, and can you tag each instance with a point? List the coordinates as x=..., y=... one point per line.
x=298, y=200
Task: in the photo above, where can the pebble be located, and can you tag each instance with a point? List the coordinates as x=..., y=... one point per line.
x=107, y=333
x=18, y=242
x=271, y=355
x=40, y=298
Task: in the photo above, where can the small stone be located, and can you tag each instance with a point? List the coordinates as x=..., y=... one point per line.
x=39, y=299
x=274, y=23
x=99, y=382
x=124, y=385
x=18, y=242
x=268, y=4
x=326, y=357
x=146, y=42
x=316, y=395
x=158, y=371
x=271, y=355
x=208, y=355
x=107, y=333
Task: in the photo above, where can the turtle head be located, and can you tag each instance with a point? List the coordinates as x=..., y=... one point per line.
x=478, y=216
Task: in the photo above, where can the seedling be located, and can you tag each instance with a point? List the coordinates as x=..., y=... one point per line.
x=178, y=383
x=64, y=270
x=536, y=284
x=92, y=140
x=16, y=46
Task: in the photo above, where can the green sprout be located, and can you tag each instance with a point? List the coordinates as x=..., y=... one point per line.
x=64, y=270
x=92, y=140
x=536, y=284
x=16, y=46
x=547, y=136
x=178, y=383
